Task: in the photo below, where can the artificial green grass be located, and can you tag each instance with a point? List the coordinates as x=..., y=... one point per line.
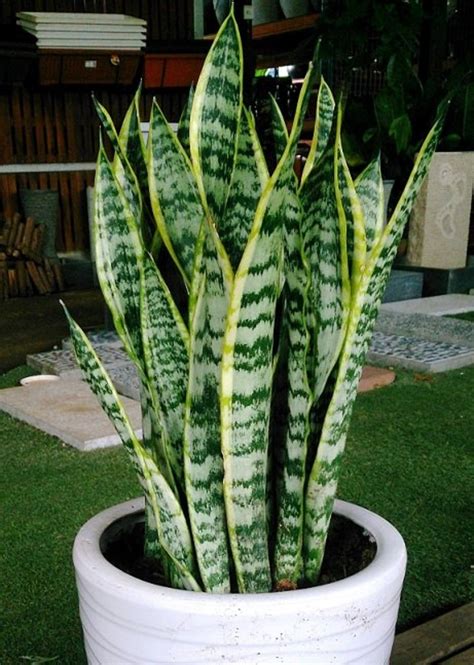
x=464, y=316
x=407, y=459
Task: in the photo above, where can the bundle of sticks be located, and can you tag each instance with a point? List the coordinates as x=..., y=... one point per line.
x=24, y=271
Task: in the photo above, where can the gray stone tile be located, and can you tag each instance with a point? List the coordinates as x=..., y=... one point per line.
x=125, y=380
x=63, y=363
x=69, y=410
x=418, y=354
x=427, y=327
x=97, y=338
x=453, y=303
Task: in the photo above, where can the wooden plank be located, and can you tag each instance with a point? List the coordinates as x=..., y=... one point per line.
x=49, y=274
x=17, y=243
x=12, y=283
x=28, y=234
x=464, y=658
x=10, y=241
x=436, y=639
x=58, y=274
x=21, y=278
x=284, y=26
x=5, y=231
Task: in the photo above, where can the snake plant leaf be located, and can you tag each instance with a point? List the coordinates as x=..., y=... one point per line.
x=247, y=373
x=249, y=177
x=184, y=122
x=322, y=483
x=174, y=194
x=323, y=120
x=215, y=117
x=288, y=553
x=119, y=252
x=350, y=212
x=369, y=188
x=154, y=433
x=325, y=246
x=132, y=144
x=122, y=169
x=203, y=460
x=171, y=526
x=279, y=128
x=165, y=340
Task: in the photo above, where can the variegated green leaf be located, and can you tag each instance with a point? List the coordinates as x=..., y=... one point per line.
x=184, y=122
x=122, y=169
x=288, y=555
x=279, y=129
x=166, y=353
x=369, y=188
x=324, y=475
x=202, y=454
x=171, y=526
x=247, y=373
x=119, y=253
x=132, y=143
x=325, y=246
x=215, y=117
x=350, y=211
x=174, y=195
x=324, y=117
x=249, y=177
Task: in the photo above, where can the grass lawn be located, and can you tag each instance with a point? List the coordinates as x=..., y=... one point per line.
x=407, y=459
x=465, y=316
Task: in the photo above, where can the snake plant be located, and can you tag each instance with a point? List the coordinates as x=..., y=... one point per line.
x=247, y=390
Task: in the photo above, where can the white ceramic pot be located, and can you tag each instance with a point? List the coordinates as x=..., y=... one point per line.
x=126, y=620
x=293, y=8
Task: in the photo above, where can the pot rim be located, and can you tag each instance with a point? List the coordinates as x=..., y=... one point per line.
x=90, y=562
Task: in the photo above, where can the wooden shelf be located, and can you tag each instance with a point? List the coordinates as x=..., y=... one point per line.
x=284, y=26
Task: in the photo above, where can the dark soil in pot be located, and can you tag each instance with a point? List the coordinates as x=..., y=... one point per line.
x=350, y=549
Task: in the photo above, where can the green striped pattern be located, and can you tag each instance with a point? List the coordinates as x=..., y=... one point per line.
x=248, y=180
x=119, y=253
x=122, y=169
x=323, y=478
x=165, y=351
x=323, y=120
x=174, y=195
x=247, y=372
x=279, y=129
x=215, y=117
x=324, y=243
x=132, y=144
x=203, y=460
x=288, y=555
x=369, y=188
x=171, y=526
x=185, y=121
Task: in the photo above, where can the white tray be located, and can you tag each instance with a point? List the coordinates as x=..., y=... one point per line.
x=80, y=18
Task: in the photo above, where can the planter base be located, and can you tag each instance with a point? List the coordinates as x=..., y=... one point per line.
x=127, y=620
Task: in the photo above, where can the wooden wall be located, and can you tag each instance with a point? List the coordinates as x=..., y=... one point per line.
x=48, y=125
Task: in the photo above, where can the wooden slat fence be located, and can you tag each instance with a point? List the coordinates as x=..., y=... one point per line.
x=59, y=125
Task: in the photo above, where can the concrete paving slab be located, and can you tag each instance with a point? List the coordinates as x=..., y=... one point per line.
x=453, y=303
x=69, y=410
x=125, y=380
x=418, y=355
x=427, y=327
x=63, y=363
